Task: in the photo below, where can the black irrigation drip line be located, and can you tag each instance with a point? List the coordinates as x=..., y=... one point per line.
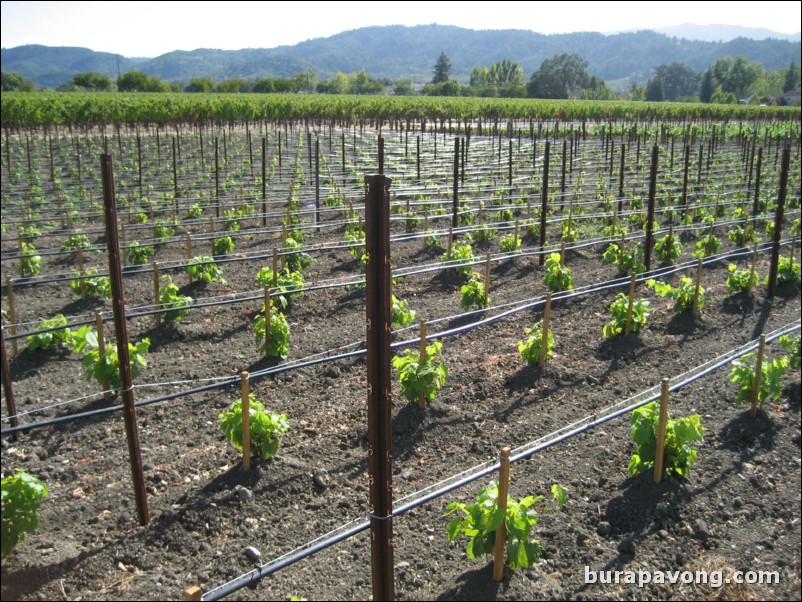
x=564, y=295
x=401, y=273
x=438, y=490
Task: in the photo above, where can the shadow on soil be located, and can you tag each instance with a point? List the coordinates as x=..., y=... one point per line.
x=477, y=584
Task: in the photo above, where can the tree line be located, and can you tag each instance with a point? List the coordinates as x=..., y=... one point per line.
x=727, y=81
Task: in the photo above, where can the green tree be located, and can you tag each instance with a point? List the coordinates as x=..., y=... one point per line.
x=722, y=97
x=12, y=82
x=561, y=76
x=707, y=86
x=361, y=83
x=792, y=78
x=637, y=92
x=597, y=90
x=339, y=83
x=442, y=69
x=137, y=81
x=201, y=84
x=449, y=88
x=93, y=82
x=678, y=80
x=403, y=87
x=274, y=85
x=655, y=91
x=305, y=81
x=480, y=77
x=734, y=75
x=235, y=85
x=506, y=74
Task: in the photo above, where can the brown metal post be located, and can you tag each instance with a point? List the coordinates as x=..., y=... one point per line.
x=758, y=168
x=121, y=329
x=317, y=183
x=544, y=196
x=778, y=222
x=11, y=406
x=647, y=258
x=455, y=191
x=216, y=179
x=621, y=179
x=175, y=172
x=264, y=182
x=417, y=157
x=380, y=460
x=687, y=159
x=12, y=315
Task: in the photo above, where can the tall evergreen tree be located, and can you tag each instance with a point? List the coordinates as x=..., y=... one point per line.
x=442, y=69
x=791, y=78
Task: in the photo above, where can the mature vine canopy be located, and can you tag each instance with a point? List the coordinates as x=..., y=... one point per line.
x=20, y=109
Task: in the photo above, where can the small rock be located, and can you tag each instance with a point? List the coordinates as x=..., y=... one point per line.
x=253, y=554
x=321, y=479
x=332, y=372
x=581, y=539
x=603, y=528
x=402, y=565
x=700, y=530
x=679, y=559
x=663, y=534
x=244, y=494
x=627, y=546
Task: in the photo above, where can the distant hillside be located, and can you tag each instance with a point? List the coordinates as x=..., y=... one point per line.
x=397, y=51
x=48, y=66
x=724, y=33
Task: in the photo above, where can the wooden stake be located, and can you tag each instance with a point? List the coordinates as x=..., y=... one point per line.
x=19, y=247
x=631, y=301
x=698, y=287
x=12, y=315
x=487, y=279
x=545, y=338
x=421, y=397
x=562, y=254
x=189, y=253
x=661, y=432
x=752, y=271
x=758, y=374
x=450, y=242
x=123, y=244
x=284, y=246
x=211, y=229
x=101, y=344
x=275, y=268
x=501, y=532
x=156, y=292
x=246, y=423
x=192, y=593
x=267, y=318
x=81, y=272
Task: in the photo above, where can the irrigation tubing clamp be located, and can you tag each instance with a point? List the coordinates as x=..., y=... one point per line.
x=439, y=489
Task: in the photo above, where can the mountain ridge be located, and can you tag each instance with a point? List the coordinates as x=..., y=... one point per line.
x=397, y=51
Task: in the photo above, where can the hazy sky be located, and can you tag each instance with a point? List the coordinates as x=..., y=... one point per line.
x=148, y=29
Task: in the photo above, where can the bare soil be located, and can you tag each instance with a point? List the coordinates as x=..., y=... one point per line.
x=739, y=510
